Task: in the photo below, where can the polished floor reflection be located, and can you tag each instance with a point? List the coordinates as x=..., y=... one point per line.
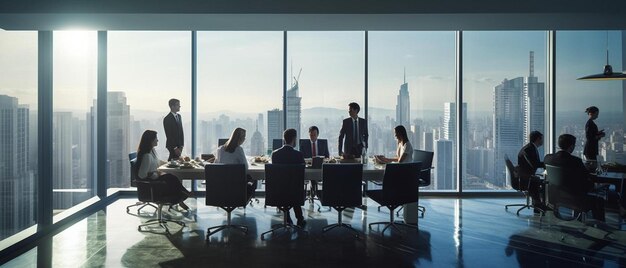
x=454, y=233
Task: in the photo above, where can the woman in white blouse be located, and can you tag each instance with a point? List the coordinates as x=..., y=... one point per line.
x=404, y=152
x=232, y=153
x=148, y=162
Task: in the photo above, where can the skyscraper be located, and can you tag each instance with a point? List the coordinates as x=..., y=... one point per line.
x=17, y=182
x=61, y=164
x=403, y=105
x=534, y=102
x=294, y=106
x=275, y=126
x=448, y=132
x=445, y=179
x=118, y=139
x=256, y=143
x=508, y=125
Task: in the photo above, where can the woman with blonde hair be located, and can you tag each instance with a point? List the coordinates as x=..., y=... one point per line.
x=232, y=153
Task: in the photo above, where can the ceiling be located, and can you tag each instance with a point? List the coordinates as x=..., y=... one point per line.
x=260, y=15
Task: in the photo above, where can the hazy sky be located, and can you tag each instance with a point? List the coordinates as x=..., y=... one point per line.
x=243, y=70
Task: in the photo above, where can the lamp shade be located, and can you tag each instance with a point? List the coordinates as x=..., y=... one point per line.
x=608, y=74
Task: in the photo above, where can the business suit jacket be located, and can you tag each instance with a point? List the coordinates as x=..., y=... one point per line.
x=347, y=143
x=307, y=149
x=580, y=183
x=591, y=134
x=287, y=155
x=528, y=161
x=173, y=131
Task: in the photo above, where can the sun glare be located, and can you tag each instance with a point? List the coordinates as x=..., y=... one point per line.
x=75, y=43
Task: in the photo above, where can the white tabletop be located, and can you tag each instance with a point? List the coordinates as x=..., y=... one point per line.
x=257, y=171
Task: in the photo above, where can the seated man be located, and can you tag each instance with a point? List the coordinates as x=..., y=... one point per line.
x=288, y=155
x=582, y=182
x=312, y=148
x=528, y=162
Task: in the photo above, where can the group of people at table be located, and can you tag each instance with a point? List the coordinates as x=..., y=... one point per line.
x=352, y=143
x=529, y=162
x=353, y=140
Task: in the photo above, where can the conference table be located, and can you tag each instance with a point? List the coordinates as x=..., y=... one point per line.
x=371, y=172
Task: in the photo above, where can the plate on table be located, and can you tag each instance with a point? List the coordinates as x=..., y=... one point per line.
x=187, y=165
x=171, y=166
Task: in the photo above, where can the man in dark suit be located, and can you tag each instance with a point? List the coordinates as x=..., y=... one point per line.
x=173, y=125
x=353, y=134
x=288, y=155
x=314, y=147
x=528, y=162
x=581, y=182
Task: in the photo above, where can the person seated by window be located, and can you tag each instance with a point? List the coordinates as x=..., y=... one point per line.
x=581, y=183
x=148, y=162
x=314, y=147
x=288, y=155
x=404, y=152
x=528, y=162
x=232, y=153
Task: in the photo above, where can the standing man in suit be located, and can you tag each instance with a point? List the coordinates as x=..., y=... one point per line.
x=314, y=147
x=581, y=183
x=173, y=125
x=528, y=162
x=288, y=155
x=354, y=130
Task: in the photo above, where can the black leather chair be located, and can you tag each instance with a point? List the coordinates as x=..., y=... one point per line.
x=284, y=189
x=517, y=184
x=221, y=142
x=226, y=188
x=566, y=195
x=342, y=189
x=400, y=186
x=277, y=143
x=133, y=183
x=157, y=192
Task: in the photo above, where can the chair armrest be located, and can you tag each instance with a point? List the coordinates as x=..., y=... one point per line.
x=379, y=183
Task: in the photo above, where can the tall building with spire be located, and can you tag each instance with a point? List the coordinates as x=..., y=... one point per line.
x=256, y=143
x=534, y=102
x=403, y=105
x=294, y=106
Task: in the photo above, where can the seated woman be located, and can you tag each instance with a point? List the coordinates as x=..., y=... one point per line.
x=232, y=153
x=404, y=153
x=148, y=162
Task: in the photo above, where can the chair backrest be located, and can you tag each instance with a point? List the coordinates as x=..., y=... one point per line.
x=426, y=158
x=317, y=162
x=134, y=170
x=514, y=177
x=401, y=182
x=225, y=185
x=561, y=191
x=221, y=142
x=342, y=185
x=277, y=143
x=284, y=185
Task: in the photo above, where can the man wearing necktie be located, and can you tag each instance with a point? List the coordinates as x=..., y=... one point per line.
x=172, y=123
x=528, y=162
x=314, y=147
x=353, y=134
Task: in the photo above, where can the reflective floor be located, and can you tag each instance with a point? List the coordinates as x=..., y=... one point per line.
x=454, y=233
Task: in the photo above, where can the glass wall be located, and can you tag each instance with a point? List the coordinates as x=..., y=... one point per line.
x=75, y=82
x=583, y=53
x=240, y=76
x=503, y=100
x=18, y=131
x=145, y=71
x=326, y=73
x=412, y=83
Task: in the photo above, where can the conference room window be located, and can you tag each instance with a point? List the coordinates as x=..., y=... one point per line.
x=74, y=118
x=504, y=76
x=411, y=82
x=240, y=77
x=145, y=71
x=18, y=131
x=325, y=74
x=583, y=53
